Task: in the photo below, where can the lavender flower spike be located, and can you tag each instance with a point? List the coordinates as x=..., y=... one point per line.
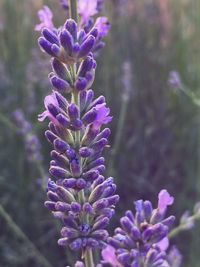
x=138, y=241
x=78, y=193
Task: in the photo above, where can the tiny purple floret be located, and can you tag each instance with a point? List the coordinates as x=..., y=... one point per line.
x=45, y=16
x=102, y=116
x=164, y=200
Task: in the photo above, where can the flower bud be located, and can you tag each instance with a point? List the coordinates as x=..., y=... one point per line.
x=66, y=40
x=86, y=46
x=50, y=36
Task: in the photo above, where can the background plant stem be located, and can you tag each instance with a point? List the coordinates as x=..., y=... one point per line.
x=183, y=227
x=15, y=228
x=73, y=10
x=119, y=131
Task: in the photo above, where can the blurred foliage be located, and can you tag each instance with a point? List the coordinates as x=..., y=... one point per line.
x=155, y=131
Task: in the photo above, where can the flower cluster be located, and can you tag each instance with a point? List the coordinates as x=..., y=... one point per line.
x=78, y=168
x=79, y=195
x=84, y=219
x=142, y=238
x=72, y=42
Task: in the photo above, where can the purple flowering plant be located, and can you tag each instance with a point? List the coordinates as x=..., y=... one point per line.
x=78, y=193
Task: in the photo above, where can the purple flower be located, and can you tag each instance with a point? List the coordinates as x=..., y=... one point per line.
x=142, y=238
x=102, y=116
x=163, y=244
x=86, y=9
x=174, y=257
x=109, y=256
x=77, y=167
x=49, y=101
x=174, y=79
x=100, y=4
x=71, y=173
x=164, y=200
x=103, y=26
x=64, y=4
x=79, y=264
x=78, y=193
x=76, y=233
x=68, y=45
x=45, y=16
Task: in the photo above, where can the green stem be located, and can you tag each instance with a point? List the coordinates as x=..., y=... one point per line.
x=15, y=228
x=42, y=174
x=8, y=123
x=183, y=227
x=89, y=261
x=88, y=256
x=73, y=10
x=76, y=99
x=119, y=131
x=81, y=196
x=176, y=231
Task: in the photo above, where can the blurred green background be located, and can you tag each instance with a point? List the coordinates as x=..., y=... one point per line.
x=155, y=130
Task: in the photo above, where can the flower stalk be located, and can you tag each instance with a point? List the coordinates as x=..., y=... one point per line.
x=89, y=262
x=184, y=226
x=73, y=10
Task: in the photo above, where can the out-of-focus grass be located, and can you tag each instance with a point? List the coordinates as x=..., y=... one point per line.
x=159, y=142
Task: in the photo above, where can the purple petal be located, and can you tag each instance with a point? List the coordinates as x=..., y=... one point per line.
x=42, y=117
x=164, y=200
x=108, y=255
x=45, y=16
x=86, y=9
x=103, y=26
x=163, y=244
x=51, y=99
x=102, y=115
